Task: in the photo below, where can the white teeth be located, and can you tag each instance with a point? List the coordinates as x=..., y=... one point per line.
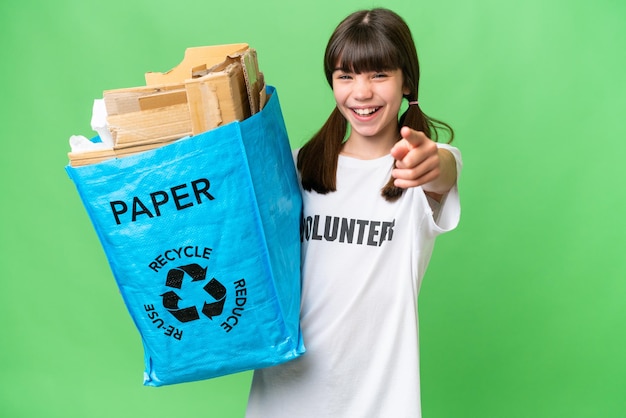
x=365, y=112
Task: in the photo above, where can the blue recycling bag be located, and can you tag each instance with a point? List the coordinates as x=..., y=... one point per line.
x=202, y=236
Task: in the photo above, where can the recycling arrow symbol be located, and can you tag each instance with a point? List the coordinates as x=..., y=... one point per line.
x=175, y=279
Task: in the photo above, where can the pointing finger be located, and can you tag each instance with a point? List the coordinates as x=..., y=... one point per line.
x=413, y=137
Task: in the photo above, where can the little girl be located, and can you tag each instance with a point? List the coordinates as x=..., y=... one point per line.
x=377, y=191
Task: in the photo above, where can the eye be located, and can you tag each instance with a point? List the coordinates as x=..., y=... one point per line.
x=343, y=76
x=380, y=75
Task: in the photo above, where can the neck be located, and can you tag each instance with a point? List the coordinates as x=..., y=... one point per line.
x=367, y=148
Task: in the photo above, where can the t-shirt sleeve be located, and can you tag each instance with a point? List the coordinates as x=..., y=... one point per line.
x=449, y=212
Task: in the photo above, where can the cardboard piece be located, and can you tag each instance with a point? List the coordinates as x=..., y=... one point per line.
x=207, y=56
x=217, y=98
x=78, y=159
x=254, y=79
x=120, y=101
x=160, y=125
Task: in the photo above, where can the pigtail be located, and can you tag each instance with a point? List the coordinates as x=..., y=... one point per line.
x=317, y=160
x=391, y=192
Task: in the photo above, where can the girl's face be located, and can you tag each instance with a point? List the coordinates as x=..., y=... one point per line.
x=370, y=102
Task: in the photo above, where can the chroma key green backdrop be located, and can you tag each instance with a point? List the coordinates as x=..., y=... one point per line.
x=523, y=309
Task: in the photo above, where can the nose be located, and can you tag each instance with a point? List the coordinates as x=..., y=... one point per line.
x=362, y=89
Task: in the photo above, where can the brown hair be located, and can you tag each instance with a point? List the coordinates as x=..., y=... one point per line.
x=367, y=40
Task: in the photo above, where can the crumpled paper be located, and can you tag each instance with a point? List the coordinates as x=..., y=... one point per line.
x=80, y=143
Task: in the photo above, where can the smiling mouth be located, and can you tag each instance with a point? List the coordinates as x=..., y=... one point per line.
x=366, y=111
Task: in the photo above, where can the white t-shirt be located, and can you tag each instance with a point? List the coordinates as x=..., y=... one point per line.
x=363, y=262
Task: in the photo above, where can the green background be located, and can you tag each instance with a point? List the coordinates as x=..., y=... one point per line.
x=523, y=309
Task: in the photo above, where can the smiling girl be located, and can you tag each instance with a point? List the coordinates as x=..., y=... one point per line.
x=377, y=191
